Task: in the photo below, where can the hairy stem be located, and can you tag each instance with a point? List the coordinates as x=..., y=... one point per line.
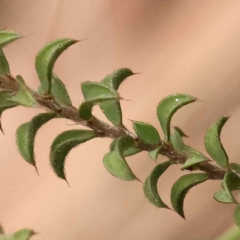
x=105, y=130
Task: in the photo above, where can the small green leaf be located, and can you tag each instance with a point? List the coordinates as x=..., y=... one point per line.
x=126, y=152
x=46, y=58
x=213, y=143
x=154, y=154
x=85, y=109
x=7, y=37
x=235, y=167
x=182, y=186
x=24, y=97
x=146, y=133
x=26, y=133
x=115, y=163
x=24, y=234
x=191, y=162
x=112, y=109
x=62, y=145
x=5, y=100
x=237, y=216
x=231, y=182
x=167, y=107
x=4, y=66
x=222, y=197
x=59, y=91
x=180, y=131
x=150, y=185
x=117, y=77
x=94, y=91
x=179, y=145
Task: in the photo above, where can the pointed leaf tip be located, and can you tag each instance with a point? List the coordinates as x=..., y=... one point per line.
x=7, y=37
x=182, y=186
x=46, y=59
x=213, y=143
x=62, y=145
x=167, y=107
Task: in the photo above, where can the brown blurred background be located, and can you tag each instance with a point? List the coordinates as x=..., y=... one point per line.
x=187, y=46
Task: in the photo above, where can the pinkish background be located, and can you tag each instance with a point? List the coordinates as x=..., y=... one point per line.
x=182, y=46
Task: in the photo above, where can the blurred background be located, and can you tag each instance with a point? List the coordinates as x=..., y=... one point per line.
x=182, y=46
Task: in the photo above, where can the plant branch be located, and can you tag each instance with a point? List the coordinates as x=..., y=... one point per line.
x=105, y=130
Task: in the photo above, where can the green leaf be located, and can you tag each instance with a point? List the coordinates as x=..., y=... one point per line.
x=24, y=97
x=180, y=131
x=112, y=109
x=182, y=186
x=99, y=94
x=62, y=145
x=24, y=234
x=5, y=100
x=59, y=91
x=231, y=182
x=115, y=162
x=222, y=197
x=7, y=37
x=85, y=109
x=235, y=167
x=117, y=77
x=213, y=143
x=191, y=162
x=179, y=145
x=167, y=107
x=154, y=154
x=26, y=133
x=94, y=91
x=146, y=133
x=126, y=152
x=237, y=216
x=46, y=58
x=4, y=66
x=150, y=185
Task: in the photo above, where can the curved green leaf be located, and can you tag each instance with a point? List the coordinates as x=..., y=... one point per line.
x=182, y=186
x=4, y=66
x=114, y=161
x=213, y=143
x=191, y=162
x=59, y=91
x=154, y=154
x=26, y=133
x=231, y=182
x=46, y=58
x=117, y=77
x=5, y=100
x=23, y=97
x=150, y=185
x=62, y=145
x=146, y=133
x=222, y=197
x=167, y=107
x=7, y=37
x=24, y=234
x=237, y=216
